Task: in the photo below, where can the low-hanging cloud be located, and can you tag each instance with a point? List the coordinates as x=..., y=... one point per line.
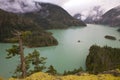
x=19, y=6
x=58, y=2
x=72, y=6
x=79, y=6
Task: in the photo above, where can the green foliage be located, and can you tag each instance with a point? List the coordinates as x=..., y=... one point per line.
x=110, y=37
x=30, y=28
x=73, y=72
x=118, y=30
x=10, y=22
x=51, y=16
x=36, y=60
x=38, y=39
x=57, y=17
x=51, y=70
x=26, y=34
x=102, y=59
x=32, y=59
x=12, y=51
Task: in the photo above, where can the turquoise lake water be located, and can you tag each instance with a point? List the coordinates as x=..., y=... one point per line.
x=69, y=53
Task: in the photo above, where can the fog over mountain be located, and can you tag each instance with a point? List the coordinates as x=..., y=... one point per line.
x=19, y=6
x=72, y=6
x=84, y=6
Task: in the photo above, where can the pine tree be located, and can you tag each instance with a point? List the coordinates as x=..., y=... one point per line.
x=19, y=51
x=51, y=70
x=37, y=61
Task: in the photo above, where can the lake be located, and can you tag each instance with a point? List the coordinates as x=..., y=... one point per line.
x=69, y=53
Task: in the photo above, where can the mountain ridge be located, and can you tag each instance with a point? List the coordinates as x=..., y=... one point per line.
x=10, y=22
x=49, y=17
x=111, y=17
x=54, y=16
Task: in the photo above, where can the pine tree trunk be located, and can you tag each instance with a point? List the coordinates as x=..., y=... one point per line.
x=22, y=57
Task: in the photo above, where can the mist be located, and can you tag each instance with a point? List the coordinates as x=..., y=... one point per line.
x=72, y=6
x=19, y=6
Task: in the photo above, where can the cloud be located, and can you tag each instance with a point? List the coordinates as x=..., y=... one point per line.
x=79, y=6
x=26, y=5
x=21, y=6
x=72, y=6
x=18, y=6
x=58, y=2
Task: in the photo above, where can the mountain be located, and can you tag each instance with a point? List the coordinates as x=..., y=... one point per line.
x=10, y=22
x=111, y=17
x=77, y=16
x=51, y=16
x=45, y=16
x=90, y=16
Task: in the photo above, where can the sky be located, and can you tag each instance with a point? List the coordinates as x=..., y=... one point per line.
x=72, y=6
x=78, y=6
